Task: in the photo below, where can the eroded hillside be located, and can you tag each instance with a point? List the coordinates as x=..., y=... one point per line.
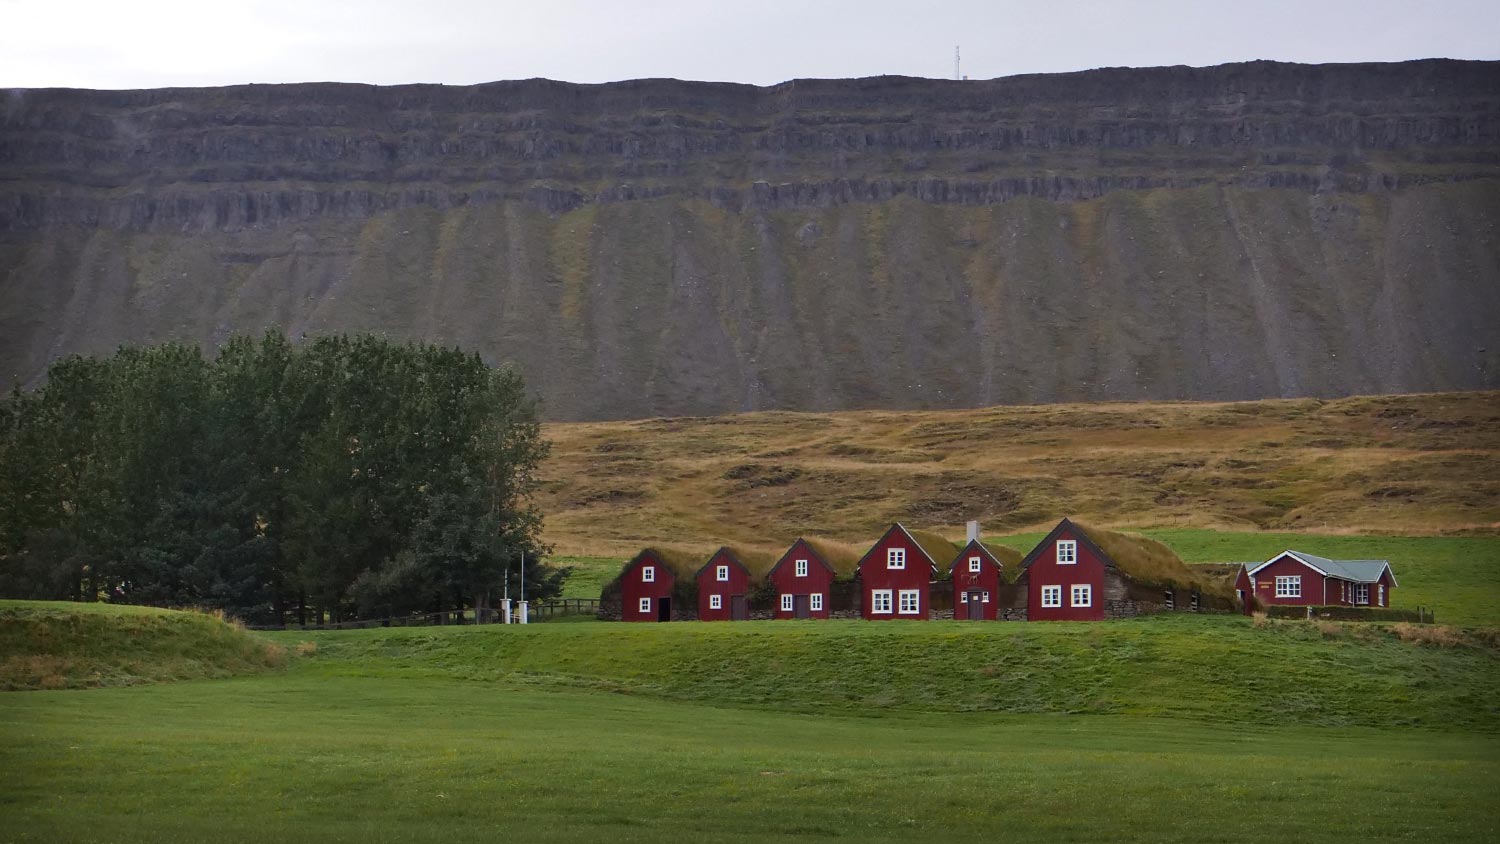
x=665, y=248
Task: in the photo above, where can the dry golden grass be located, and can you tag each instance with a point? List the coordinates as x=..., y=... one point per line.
x=1416, y=464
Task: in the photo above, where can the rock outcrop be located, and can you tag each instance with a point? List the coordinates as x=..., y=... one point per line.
x=662, y=247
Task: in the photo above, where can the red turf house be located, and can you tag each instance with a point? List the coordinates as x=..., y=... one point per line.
x=895, y=576
x=646, y=589
x=976, y=577
x=1300, y=579
x=803, y=580
x=1065, y=576
x=723, y=588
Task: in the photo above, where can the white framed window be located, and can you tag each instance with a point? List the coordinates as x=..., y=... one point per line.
x=1289, y=586
x=880, y=601
x=975, y=564
x=1381, y=592
x=645, y=605
x=1344, y=591
x=816, y=601
x=787, y=602
x=648, y=574
x=911, y=602
x=716, y=602
x=1361, y=593
x=1051, y=596
x=802, y=568
x=1067, y=552
x=895, y=558
x=721, y=573
x=985, y=598
x=1083, y=595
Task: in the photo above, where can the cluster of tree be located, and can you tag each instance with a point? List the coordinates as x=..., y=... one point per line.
x=342, y=477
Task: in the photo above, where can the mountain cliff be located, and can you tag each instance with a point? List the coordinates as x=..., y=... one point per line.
x=659, y=247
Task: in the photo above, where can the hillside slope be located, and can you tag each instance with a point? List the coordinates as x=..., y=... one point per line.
x=665, y=248
x=1216, y=668
x=1416, y=464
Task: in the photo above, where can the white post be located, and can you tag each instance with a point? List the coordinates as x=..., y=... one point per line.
x=524, y=612
x=505, y=610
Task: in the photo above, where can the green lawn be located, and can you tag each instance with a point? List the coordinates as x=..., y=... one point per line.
x=308, y=757
x=590, y=574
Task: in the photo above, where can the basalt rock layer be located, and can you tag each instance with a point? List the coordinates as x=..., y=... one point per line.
x=658, y=247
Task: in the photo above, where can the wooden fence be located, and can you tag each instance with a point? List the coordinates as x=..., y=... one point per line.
x=539, y=612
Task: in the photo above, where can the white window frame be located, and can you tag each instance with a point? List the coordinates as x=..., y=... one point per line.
x=1084, y=589
x=644, y=605
x=880, y=602
x=648, y=574
x=1067, y=552
x=1052, y=597
x=716, y=602
x=1362, y=594
x=802, y=568
x=976, y=564
x=915, y=596
x=895, y=558
x=1288, y=585
x=788, y=602
x=721, y=573
x=985, y=599
x=1381, y=591
x=815, y=602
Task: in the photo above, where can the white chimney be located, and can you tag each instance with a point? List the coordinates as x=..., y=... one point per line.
x=973, y=532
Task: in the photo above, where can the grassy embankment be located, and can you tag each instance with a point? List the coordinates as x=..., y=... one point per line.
x=57, y=645
x=1198, y=727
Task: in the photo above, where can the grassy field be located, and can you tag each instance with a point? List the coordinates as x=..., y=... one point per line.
x=1164, y=729
x=307, y=757
x=1401, y=465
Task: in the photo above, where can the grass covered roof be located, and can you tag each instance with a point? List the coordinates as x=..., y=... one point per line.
x=1148, y=561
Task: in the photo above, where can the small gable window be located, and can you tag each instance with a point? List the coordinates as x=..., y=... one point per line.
x=716, y=602
x=817, y=602
x=648, y=574
x=895, y=558
x=975, y=564
x=802, y=568
x=722, y=573
x=1067, y=552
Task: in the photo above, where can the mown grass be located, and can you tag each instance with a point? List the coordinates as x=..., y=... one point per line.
x=1196, y=728
x=57, y=645
x=308, y=757
x=1227, y=669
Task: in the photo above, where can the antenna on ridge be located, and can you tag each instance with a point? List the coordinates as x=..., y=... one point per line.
x=956, y=75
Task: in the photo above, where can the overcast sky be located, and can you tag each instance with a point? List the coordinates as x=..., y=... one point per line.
x=150, y=43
